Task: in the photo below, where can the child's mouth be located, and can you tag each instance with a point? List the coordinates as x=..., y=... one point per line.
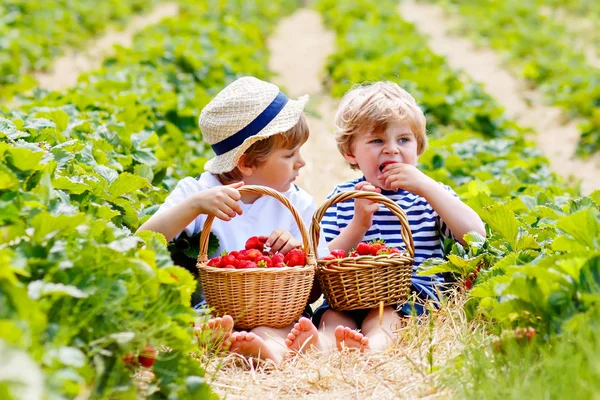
x=382, y=166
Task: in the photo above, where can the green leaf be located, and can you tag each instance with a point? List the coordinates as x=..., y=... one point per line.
x=39, y=289
x=127, y=183
x=26, y=159
x=45, y=224
x=125, y=244
x=499, y=217
x=589, y=279
x=38, y=124
x=582, y=229
x=595, y=195
x=61, y=119
x=7, y=178
x=72, y=184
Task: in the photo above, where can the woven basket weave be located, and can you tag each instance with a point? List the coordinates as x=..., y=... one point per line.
x=273, y=297
x=353, y=283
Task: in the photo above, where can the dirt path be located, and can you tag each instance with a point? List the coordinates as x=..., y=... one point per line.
x=66, y=69
x=557, y=140
x=299, y=49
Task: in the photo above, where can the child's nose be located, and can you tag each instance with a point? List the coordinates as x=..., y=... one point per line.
x=391, y=148
x=300, y=163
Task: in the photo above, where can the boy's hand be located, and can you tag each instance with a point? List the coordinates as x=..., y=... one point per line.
x=407, y=177
x=220, y=201
x=364, y=209
x=281, y=241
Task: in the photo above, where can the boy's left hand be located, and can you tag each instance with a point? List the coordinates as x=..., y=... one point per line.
x=281, y=241
x=405, y=176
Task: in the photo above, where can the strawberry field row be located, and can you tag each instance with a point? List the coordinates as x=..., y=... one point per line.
x=33, y=33
x=79, y=171
x=543, y=239
x=539, y=268
x=543, y=51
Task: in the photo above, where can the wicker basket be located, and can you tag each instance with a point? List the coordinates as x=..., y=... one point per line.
x=352, y=283
x=273, y=297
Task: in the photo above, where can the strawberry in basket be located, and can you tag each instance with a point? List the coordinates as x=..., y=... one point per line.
x=375, y=247
x=255, y=256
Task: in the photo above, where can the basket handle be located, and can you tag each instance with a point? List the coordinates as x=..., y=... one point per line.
x=315, y=228
x=205, y=234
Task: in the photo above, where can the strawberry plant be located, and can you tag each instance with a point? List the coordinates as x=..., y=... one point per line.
x=80, y=170
x=33, y=34
x=531, y=40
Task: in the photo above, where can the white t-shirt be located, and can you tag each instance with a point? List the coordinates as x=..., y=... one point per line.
x=258, y=219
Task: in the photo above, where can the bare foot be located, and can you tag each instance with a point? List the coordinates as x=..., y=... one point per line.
x=350, y=339
x=220, y=329
x=303, y=335
x=250, y=345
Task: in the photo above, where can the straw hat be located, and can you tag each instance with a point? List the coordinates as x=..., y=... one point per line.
x=243, y=113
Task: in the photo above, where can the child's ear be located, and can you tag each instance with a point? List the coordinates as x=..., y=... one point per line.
x=350, y=158
x=243, y=167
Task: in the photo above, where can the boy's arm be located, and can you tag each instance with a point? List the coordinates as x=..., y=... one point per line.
x=361, y=222
x=459, y=217
x=349, y=237
x=220, y=201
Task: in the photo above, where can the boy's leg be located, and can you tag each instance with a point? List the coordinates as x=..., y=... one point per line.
x=338, y=330
x=381, y=335
x=261, y=342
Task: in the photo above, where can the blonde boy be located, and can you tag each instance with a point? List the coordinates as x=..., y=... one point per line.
x=380, y=130
x=256, y=133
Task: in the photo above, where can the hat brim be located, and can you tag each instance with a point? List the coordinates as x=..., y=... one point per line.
x=286, y=119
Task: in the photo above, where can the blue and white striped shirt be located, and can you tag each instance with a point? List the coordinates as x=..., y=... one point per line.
x=428, y=229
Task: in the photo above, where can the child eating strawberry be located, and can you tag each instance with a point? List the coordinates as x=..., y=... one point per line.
x=380, y=130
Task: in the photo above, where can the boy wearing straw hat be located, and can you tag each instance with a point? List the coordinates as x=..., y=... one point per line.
x=380, y=130
x=256, y=133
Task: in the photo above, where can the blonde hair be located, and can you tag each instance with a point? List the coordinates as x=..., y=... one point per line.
x=259, y=152
x=371, y=108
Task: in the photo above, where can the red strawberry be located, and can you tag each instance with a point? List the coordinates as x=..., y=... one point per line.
x=338, y=253
x=354, y=254
x=383, y=250
x=214, y=262
x=294, y=258
x=241, y=264
x=363, y=249
x=235, y=254
x=264, y=262
x=329, y=257
x=229, y=259
x=147, y=356
x=251, y=264
x=468, y=284
x=394, y=250
x=256, y=242
x=129, y=361
x=375, y=247
x=229, y=266
x=253, y=254
x=243, y=255
x=277, y=258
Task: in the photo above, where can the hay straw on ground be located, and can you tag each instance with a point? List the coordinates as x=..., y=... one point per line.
x=409, y=369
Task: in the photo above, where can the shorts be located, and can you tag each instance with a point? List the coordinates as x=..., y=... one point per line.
x=415, y=306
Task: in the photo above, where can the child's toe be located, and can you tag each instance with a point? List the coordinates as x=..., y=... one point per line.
x=305, y=324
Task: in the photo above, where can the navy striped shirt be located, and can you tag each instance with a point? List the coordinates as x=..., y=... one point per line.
x=428, y=229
